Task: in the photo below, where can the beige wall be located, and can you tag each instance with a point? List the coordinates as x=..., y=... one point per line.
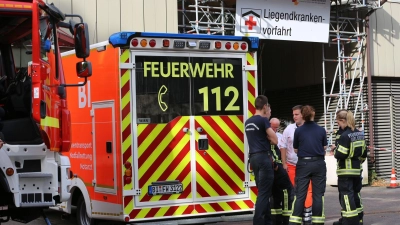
x=106, y=17
x=385, y=40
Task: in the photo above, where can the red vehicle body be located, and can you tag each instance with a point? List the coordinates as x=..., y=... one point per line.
x=34, y=116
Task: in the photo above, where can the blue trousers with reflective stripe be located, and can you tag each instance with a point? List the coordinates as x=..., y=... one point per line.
x=349, y=189
x=281, y=199
x=306, y=170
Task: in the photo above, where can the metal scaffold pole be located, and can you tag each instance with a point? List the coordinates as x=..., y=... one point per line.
x=347, y=34
x=206, y=17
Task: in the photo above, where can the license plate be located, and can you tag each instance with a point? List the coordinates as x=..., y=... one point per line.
x=165, y=189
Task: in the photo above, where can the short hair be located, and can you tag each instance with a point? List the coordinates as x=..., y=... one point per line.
x=297, y=107
x=260, y=101
x=308, y=112
x=274, y=119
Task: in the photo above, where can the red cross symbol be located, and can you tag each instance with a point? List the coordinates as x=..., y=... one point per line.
x=250, y=23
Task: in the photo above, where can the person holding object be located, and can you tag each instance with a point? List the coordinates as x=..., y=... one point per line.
x=350, y=153
x=260, y=136
x=309, y=143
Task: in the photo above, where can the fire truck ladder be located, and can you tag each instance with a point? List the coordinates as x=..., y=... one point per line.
x=206, y=17
x=348, y=34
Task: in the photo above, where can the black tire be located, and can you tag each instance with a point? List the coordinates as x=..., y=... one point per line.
x=81, y=213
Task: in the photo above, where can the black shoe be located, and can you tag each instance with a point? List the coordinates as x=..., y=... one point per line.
x=339, y=222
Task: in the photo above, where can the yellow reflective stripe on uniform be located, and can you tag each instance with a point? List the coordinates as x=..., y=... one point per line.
x=361, y=209
x=348, y=163
x=348, y=172
x=353, y=213
x=295, y=219
x=343, y=150
x=318, y=219
x=276, y=211
x=50, y=122
x=285, y=200
x=276, y=158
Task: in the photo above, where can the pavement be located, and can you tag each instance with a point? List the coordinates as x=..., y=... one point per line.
x=381, y=207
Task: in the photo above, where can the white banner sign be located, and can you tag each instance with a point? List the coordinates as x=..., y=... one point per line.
x=293, y=20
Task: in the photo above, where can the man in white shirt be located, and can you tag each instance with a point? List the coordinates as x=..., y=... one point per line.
x=289, y=158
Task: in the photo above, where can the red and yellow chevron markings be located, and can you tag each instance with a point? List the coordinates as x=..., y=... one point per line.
x=251, y=85
x=219, y=170
x=126, y=122
x=164, y=155
x=192, y=209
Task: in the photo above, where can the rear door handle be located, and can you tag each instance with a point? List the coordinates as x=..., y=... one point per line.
x=109, y=147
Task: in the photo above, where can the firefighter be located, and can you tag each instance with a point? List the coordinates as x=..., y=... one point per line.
x=350, y=153
x=309, y=143
x=260, y=136
x=281, y=199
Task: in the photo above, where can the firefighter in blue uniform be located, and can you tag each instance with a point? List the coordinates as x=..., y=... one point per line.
x=350, y=153
x=281, y=199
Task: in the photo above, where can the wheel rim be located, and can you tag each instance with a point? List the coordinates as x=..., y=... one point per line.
x=84, y=218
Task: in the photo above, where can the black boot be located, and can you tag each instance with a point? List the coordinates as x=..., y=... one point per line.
x=339, y=222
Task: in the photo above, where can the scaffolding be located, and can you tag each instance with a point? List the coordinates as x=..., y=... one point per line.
x=207, y=17
x=348, y=35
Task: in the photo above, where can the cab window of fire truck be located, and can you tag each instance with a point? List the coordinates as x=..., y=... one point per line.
x=162, y=94
x=217, y=86
x=45, y=35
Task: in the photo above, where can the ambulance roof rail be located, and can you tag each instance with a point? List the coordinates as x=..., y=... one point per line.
x=122, y=39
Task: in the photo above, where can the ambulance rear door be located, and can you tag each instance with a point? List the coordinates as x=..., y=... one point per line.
x=218, y=106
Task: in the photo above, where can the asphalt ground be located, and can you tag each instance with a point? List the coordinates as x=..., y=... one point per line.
x=381, y=207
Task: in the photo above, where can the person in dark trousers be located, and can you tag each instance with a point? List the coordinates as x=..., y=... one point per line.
x=350, y=153
x=260, y=136
x=281, y=200
x=310, y=143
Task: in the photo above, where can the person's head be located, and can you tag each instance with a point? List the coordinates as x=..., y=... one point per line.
x=345, y=118
x=308, y=113
x=262, y=106
x=274, y=124
x=297, y=117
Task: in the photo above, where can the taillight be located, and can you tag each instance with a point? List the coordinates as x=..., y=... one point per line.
x=152, y=43
x=134, y=42
x=228, y=45
x=165, y=43
x=10, y=171
x=243, y=46
x=236, y=46
x=143, y=43
x=218, y=45
x=128, y=173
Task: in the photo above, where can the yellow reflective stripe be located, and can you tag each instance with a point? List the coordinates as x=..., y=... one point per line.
x=50, y=122
x=353, y=213
x=286, y=213
x=343, y=150
x=348, y=163
x=276, y=158
x=285, y=200
x=361, y=205
x=276, y=211
x=318, y=219
x=295, y=219
x=323, y=206
x=348, y=172
x=346, y=201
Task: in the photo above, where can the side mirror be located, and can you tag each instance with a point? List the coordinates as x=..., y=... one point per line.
x=84, y=69
x=81, y=38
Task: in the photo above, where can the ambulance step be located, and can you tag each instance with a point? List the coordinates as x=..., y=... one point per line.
x=35, y=175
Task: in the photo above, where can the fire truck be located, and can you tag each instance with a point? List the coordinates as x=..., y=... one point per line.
x=159, y=132
x=35, y=123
